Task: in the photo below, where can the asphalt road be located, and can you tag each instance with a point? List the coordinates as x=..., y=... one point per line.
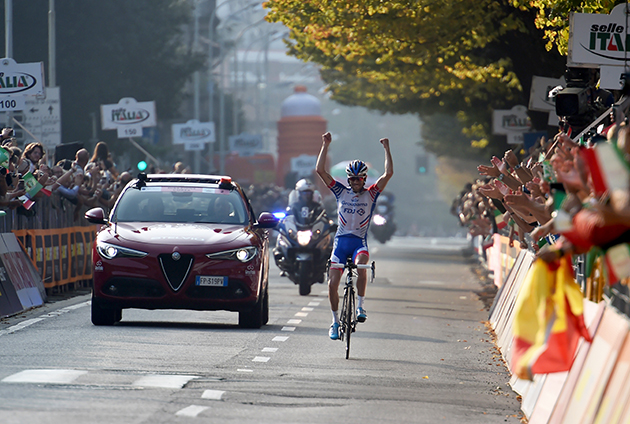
x=423, y=356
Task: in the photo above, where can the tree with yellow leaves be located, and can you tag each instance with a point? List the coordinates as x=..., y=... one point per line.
x=462, y=58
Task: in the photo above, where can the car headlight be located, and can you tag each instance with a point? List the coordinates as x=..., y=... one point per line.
x=111, y=251
x=304, y=237
x=244, y=254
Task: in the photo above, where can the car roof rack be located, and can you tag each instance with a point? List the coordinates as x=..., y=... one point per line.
x=184, y=178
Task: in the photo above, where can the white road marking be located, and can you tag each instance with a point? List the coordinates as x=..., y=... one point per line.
x=270, y=349
x=280, y=339
x=45, y=376
x=324, y=292
x=244, y=370
x=191, y=411
x=288, y=329
x=164, y=381
x=314, y=303
x=212, y=394
x=42, y=317
x=261, y=359
x=301, y=314
x=463, y=297
x=294, y=321
x=305, y=309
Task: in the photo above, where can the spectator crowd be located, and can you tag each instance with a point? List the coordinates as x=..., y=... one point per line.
x=562, y=196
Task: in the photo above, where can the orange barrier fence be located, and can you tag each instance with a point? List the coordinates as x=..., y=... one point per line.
x=596, y=389
x=61, y=255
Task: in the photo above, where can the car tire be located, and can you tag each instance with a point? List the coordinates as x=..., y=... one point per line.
x=266, y=308
x=253, y=318
x=104, y=316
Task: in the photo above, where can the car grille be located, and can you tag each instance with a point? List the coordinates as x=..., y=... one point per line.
x=175, y=272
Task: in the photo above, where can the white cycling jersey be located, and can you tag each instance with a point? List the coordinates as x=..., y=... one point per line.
x=354, y=209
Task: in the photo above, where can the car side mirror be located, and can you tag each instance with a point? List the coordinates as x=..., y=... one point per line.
x=267, y=220
x=96, y=216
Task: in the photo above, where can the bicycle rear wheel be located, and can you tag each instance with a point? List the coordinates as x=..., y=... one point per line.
x=348, y=321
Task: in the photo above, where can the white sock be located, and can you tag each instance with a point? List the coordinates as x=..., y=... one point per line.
x=335, y=315
x=361, y=299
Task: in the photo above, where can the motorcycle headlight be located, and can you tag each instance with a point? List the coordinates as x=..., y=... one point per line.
x=379, y=220
x=244, y=254
x=304, y=237
x=111, y=251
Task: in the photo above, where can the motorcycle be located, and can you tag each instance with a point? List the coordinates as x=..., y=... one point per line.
x=383, y=226
x=303, y=247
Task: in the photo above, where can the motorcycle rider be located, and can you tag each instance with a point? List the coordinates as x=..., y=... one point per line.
x=355, y=205
x=304, y=199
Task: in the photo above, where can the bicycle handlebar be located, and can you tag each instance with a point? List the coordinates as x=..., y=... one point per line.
x=353, y=266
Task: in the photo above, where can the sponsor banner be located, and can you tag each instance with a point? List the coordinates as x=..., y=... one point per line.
x=539, y=98
x=598, y=39
x=246, y=144
x=21, y=79
x=193, y=132
x=512, y=123
x=128, y=117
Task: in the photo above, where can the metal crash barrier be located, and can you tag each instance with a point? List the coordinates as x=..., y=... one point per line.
x=44, y=252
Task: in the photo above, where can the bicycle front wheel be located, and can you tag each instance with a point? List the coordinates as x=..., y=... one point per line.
x=348, y=321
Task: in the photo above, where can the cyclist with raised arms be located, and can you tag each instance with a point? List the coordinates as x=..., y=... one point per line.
x=355, y=205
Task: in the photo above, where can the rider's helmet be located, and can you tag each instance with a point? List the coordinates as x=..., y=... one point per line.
x=305, y=189
x=304, y=185
x=357, y=168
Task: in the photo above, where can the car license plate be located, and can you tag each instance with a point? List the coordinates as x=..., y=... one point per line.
x=205, y=280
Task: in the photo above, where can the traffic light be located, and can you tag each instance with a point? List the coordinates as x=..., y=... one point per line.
x=142, y=165
x=422, y=164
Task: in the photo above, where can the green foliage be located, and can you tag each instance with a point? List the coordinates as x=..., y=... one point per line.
x=107, y=50
x=459, y=58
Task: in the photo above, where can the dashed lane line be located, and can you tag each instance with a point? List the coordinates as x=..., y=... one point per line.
x=212, y=394
x=280, y=339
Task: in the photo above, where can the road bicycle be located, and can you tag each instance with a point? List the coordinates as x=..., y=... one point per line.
x=348, y=316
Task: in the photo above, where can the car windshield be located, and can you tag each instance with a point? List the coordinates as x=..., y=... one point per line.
x=179, y=204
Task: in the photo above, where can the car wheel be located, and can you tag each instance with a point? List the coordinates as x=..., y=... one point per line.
x=253, y=318
x=104, y=316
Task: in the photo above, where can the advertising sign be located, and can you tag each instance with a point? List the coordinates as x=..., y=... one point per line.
x=513, y=123
x=193, y=131
x=303, y=165
x=539, y=98
x=22, y=79
x=128, y=117
x=246, y=144
x=598, y=39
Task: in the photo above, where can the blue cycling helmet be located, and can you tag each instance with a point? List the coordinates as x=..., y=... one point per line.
x=357, y=168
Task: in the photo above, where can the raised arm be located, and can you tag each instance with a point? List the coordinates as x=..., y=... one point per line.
x=320, y=168
x=389, y=166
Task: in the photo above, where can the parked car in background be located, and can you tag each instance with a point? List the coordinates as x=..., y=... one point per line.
x=181, y=241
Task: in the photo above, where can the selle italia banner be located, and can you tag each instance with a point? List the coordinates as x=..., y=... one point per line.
x=599, y=39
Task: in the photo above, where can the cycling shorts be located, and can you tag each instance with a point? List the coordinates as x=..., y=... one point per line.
x=348, y=246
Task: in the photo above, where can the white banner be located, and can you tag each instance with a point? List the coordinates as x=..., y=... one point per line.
x=598, y=39
x=511, y=122
x=303, y=165
x=128, y=116
x=22, y=79
x=246, y=144
x=193, y=131
x=539, y=99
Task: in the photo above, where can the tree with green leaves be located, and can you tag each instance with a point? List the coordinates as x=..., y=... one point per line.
x=459, y=58
x=107, y=50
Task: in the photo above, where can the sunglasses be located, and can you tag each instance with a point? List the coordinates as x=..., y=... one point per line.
x=356, y=178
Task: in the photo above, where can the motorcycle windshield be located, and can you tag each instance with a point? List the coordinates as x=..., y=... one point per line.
x=304, y=215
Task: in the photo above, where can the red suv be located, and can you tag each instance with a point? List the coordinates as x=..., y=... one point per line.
x=181, y=241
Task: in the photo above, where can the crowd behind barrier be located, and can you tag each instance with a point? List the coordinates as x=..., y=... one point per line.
x=552, y=225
